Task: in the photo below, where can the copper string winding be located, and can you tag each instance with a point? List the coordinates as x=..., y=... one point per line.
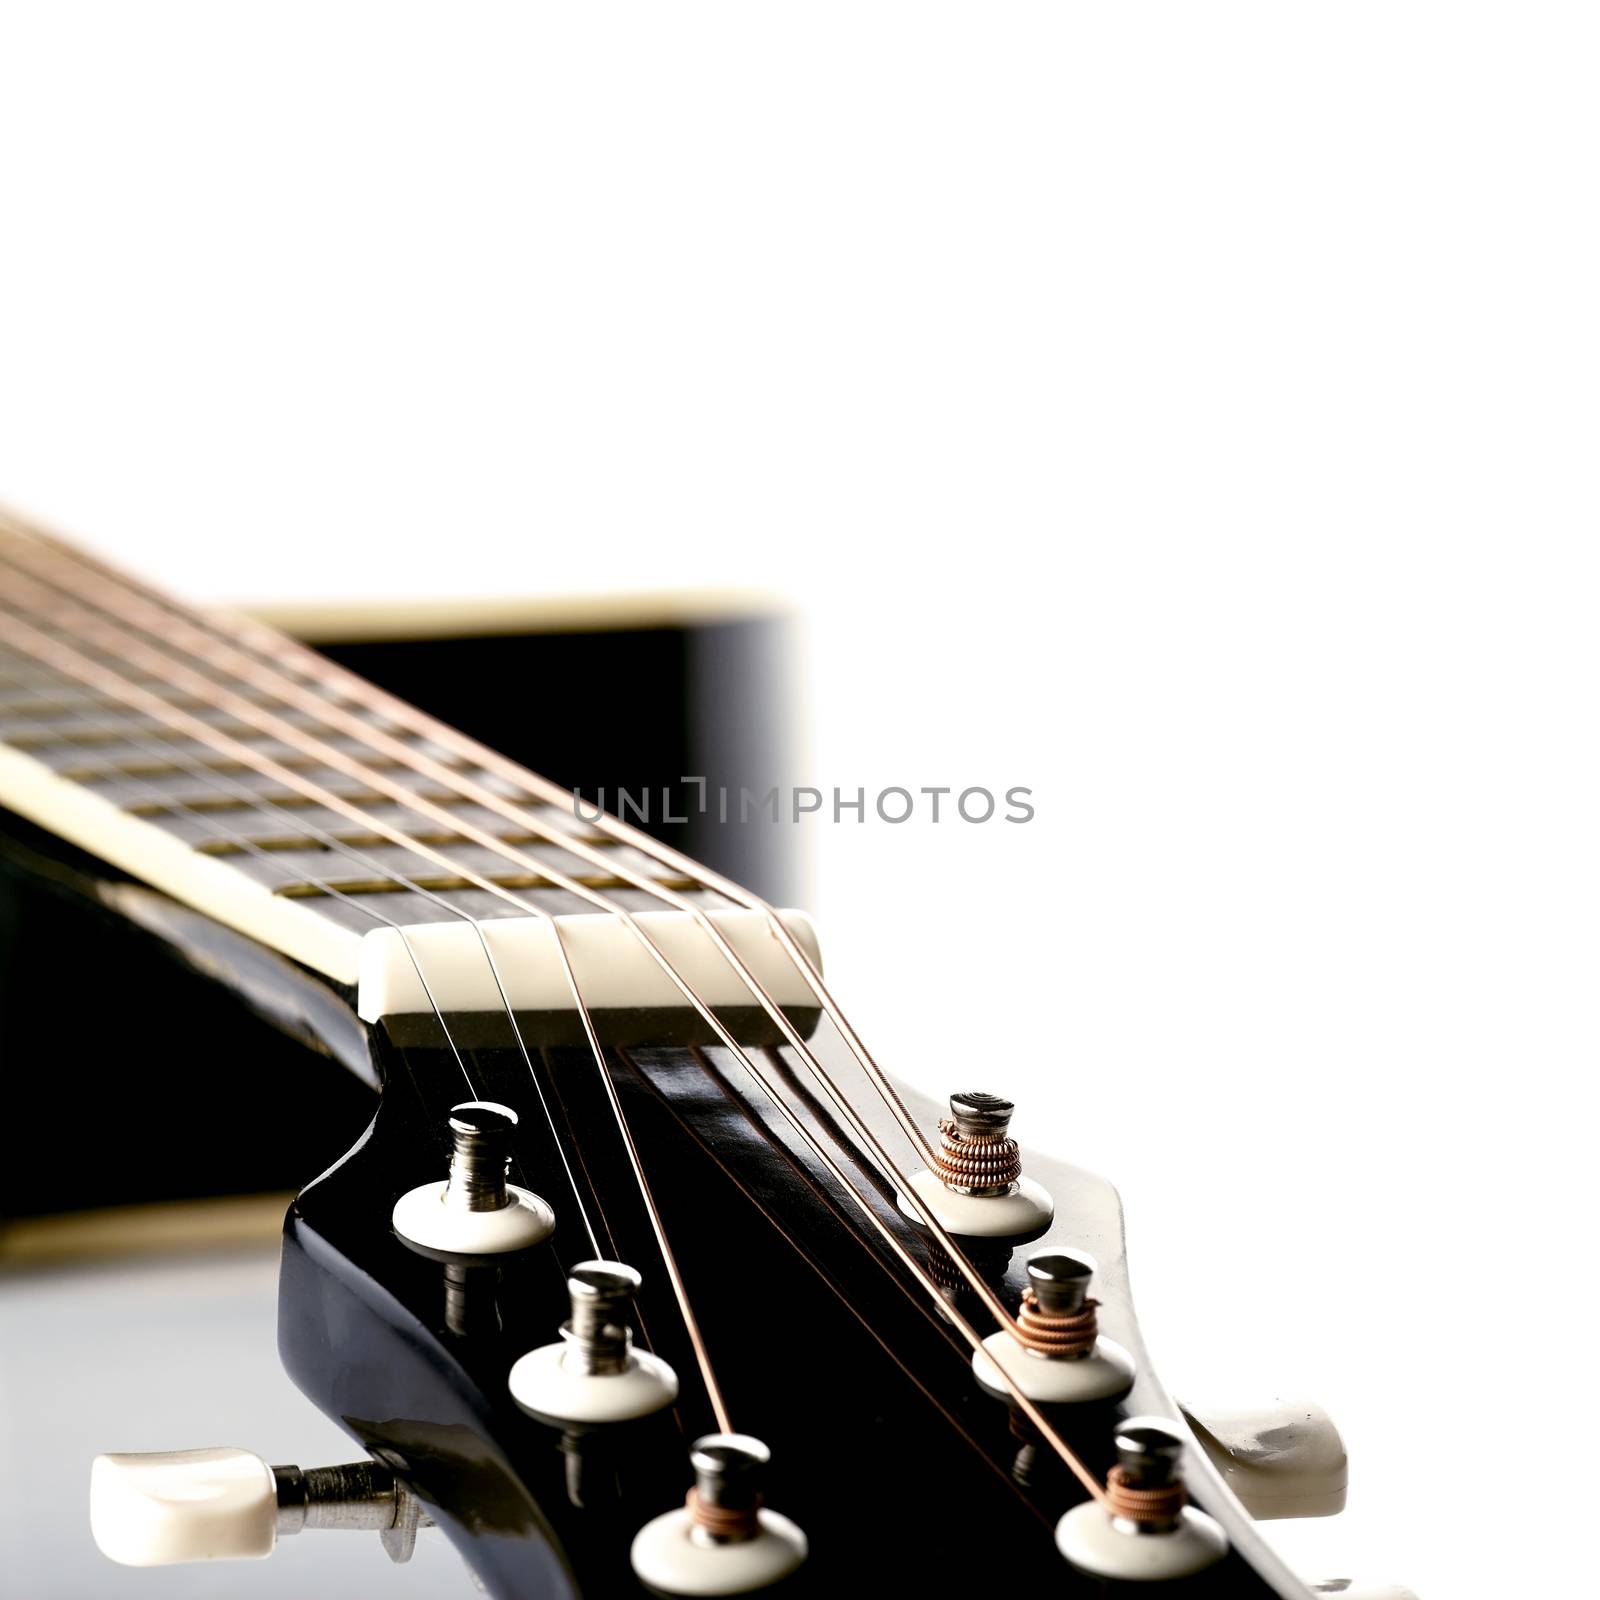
x=1157, y=1504
x=724, y=1522
x=942, y=1270
x=1057, y=1333
x=976, y=1161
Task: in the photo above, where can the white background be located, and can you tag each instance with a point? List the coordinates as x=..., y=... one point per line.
x=1186, y=411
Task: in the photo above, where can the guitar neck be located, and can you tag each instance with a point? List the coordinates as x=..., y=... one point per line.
x=239, y=772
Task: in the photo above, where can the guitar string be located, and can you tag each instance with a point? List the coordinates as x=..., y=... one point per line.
x=961, y=1323
x=823, y=1198
x=274, y=646
x=597, y=1190
x=260, y=805
x=290, y=733
x=258, y=676
x=27, y=639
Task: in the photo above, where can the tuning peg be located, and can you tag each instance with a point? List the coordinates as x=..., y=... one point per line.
x=594, y=1375
x=1285, y=1459
x=1142, y=1529
x=976, y=1186
x=165, y=1507
x=723, y=1540
x=474, y=1211
x=1055, y=1353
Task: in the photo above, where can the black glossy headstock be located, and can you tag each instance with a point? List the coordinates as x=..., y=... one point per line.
x=885, y=1449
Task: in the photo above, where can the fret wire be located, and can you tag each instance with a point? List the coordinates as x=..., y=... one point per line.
x=363, y=798
x=214, y=647
x=444, y=885
x=67, y=708
x=73, y=736
x=291, y=842
x=107, y=774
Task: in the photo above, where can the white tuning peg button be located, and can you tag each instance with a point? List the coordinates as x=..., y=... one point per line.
x=1282, y=1460
x=157, y=1509
x=166, y=1507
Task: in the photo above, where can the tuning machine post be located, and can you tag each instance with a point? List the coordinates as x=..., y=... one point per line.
x=475, y=1211
x=1145, y=1529
x=1055, y=1353
x=723, y=1540
x=976, y=1187
x=593, y=1374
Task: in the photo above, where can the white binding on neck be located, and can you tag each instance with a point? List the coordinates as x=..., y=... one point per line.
x=89, y=820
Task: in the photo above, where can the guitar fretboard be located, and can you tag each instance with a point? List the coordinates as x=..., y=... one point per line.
x=302, y=801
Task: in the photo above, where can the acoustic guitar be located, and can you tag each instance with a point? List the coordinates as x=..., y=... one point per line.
x=623, y=1264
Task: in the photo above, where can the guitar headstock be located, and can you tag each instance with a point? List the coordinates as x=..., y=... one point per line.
x=874, y=1428
x=870, y=1332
